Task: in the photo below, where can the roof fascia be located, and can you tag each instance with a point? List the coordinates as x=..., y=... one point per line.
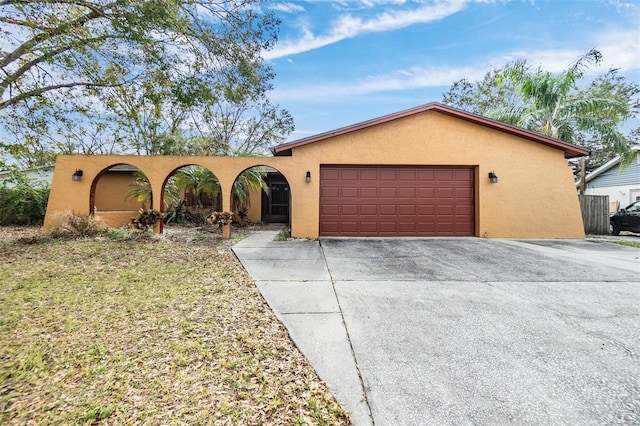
x=606, y=166
x=570, y=150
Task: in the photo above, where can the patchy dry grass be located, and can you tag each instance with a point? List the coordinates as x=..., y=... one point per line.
x=162, y=331
x=635, y=244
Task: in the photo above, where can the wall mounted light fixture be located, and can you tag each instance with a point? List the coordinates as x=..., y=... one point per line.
x=308, y=177
x=493, y=178
x=77, y=175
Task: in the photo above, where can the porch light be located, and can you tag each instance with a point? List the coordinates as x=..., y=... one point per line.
x=493, y=178
x=308, y=178
x=77, y=175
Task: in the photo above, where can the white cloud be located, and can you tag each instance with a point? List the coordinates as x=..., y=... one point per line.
x=620, y=49
x=617, y=48
x=407, y=79
x=348, y=26
x=287, y=7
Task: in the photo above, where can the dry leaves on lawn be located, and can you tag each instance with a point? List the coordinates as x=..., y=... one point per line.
x=152, y=331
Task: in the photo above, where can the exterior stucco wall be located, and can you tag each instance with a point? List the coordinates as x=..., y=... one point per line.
x=255, y=206
x=67, y=195
x=534, y=198
x=111, y=193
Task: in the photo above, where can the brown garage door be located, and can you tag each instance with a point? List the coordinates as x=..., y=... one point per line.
x=396, y=201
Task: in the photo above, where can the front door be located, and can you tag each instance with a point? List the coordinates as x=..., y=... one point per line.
x=275, y=204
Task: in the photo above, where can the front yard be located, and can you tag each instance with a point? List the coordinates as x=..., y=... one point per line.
x=152, y=331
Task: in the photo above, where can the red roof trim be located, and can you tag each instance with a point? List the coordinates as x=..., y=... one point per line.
x=570, y=150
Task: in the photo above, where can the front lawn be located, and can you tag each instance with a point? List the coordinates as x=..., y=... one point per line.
x=157, y=331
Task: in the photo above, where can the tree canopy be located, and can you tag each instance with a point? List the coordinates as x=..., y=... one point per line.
x=148, y=77
x=560, y=105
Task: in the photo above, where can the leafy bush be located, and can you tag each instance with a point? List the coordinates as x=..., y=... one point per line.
x=70, y=224
x=25, y=202
x=219, y=219
x=146, y=219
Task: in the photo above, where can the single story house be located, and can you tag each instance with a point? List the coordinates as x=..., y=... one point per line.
x=39, y=175
x=428, y=171
x=622, y=186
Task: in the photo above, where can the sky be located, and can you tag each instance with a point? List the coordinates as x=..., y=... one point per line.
x=340, y=62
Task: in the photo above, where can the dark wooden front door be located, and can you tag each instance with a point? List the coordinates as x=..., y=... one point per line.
x=275, y=204
x=396, y=201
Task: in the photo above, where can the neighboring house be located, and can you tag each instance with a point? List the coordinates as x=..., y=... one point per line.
x=428, y=171
x=39, y=175
x=622, y=187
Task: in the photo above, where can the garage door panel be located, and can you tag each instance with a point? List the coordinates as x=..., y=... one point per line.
x=388, y=174
x=329, y=174
x=349, y=209
x=368, y=174
x=349, y=192
x=388, y=227
x=426, y=193
x=390, y=200
x=386, y=209
x=369, y=209
x=369, y=226
x=388, y=192
x=330, y=191
x=445, y=193
x=368, y=192
x=426, y=210
x=407, y=174
x=407, y=193
x=445, y=175
x=407, y=210
x=445, y=210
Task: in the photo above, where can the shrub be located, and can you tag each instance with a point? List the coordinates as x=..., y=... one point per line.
x=146, y=219
x=70, y=224
x=25, y=202
x=219, y=219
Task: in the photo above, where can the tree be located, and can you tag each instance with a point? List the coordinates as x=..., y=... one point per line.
x=554, y=104
x=74, y=60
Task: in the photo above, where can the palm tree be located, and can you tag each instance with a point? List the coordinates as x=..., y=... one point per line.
x=197, y=181
x=250, y=179
x=551, y=105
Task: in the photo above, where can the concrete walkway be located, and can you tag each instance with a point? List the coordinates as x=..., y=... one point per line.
x=461, y=330
x=294, y=280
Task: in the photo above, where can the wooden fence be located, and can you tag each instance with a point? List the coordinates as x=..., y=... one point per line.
x=595, y=214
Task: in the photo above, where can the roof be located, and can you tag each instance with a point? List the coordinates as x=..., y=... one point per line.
x=570, y=150
x=32, y=169
x=606, y=166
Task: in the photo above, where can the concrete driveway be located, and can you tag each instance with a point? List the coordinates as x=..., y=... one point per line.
x=464, y=330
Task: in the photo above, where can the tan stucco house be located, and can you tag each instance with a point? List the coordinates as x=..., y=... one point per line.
x=427, y=171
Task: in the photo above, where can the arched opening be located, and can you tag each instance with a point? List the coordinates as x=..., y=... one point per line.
x=261, y=194
x=190, y=193
x=118, y=192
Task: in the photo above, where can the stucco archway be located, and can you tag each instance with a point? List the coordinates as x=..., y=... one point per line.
x=76, y=195
x=114, y=196
x=267, y=202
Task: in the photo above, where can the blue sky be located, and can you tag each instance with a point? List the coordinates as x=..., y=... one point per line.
x=345, y=61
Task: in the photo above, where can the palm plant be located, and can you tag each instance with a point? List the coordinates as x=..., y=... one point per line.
x=197, y=181
x=141, y=191
x=551, y=105
x=250, y=179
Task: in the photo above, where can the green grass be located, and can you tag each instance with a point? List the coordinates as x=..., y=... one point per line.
x=635, y=244
x=162, y=331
